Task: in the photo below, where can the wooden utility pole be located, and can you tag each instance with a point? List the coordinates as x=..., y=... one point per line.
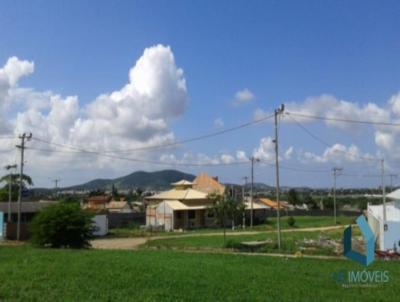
x=335, y=171
x=278, y=112
x=23, y=137
x=252, y=159
x=244, y=187
x=9, y=167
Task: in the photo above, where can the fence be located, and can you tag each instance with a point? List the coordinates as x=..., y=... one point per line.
x=116, y=220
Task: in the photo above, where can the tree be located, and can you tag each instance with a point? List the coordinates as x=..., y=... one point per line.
x=235, y=210
x=225, y=208
x=62, y=225
x=220, y=210
x=26, y=181
x=292, y=197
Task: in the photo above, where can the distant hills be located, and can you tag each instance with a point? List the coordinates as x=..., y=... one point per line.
x=158, y=180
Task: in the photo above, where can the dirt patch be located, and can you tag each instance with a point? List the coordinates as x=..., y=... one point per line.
x=118, y=243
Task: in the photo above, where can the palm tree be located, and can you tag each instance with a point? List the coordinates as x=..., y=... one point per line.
x=14, y=179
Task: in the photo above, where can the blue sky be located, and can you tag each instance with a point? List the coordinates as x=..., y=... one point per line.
x=281, y=51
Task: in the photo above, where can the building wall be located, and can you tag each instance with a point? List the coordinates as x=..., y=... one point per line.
x=100, y=222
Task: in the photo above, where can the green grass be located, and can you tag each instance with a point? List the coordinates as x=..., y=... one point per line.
x=301, y=222
x=291, y=241
x=306, y=222
x=29, y=274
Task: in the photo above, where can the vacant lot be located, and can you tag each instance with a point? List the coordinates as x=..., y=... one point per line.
x=97, y=275
x=270, y=224
x=312, y=243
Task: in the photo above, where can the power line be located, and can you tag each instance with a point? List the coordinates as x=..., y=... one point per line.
x=320, y=140
x=141, y=160
x=341, y=120
x=160, y=146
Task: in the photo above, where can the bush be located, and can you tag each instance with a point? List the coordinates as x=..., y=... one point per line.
x=291, y=221
x=62, y=225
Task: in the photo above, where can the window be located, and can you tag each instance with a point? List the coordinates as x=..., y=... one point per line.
x=179, y=215
x=192, y=214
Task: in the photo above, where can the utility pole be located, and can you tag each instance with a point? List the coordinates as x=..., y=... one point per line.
x=243, y=199
x=56, y=181
x=391, y=180
x=9, y=167
x=244, y=187
x=252, y=159
x=336, y=172
x=383, y=192
x=23, y=137
x=278, y=112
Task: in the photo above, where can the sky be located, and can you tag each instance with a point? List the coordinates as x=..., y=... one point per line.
x=114, y=77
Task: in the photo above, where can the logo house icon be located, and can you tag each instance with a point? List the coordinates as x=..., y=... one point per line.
x=369, y=239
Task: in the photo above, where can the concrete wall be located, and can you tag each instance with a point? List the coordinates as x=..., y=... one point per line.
x=100, y=222
x=392, y=236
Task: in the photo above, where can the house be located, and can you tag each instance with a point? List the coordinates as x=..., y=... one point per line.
x=182, y=207
x=98, y=202
x=28, y=211
x=121, y=206
x=260, y=210
x=273, y=204
x=207, y=184
x=387, y=233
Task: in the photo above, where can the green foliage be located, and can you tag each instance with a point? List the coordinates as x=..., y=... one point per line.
x=4, y=193
x=62, y=225
x=26, y=180
x=69, y=199
x=292, y=197
x=291, y=221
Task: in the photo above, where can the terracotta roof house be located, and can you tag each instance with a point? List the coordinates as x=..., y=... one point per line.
x=98, y=202
x=207, y=184
x=272, y=204
x=182, y=207
x=119, y=207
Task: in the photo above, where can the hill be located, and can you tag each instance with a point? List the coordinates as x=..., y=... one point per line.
x=158, y=180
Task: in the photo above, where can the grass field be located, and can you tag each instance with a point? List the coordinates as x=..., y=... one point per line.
x=291, y=241
x=63, y=275
x=301, y=222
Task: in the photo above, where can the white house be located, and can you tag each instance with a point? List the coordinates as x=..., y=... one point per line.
x=387, y=233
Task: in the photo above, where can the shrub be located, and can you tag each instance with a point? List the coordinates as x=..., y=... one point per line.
x=291, y=221
x=62, y=225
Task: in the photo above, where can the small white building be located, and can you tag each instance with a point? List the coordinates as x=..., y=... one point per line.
x=100, y=222
x=387, y=234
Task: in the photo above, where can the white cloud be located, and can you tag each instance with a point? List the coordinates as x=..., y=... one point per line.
x=227, y=158
x=328, y=106
x=394, y=102
x=289, y=153
x=337, y=153
x=241, y=155
x=244, y=96
x=266, y=150
x=384, y=140
x=219, y=123
x=137, y=115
